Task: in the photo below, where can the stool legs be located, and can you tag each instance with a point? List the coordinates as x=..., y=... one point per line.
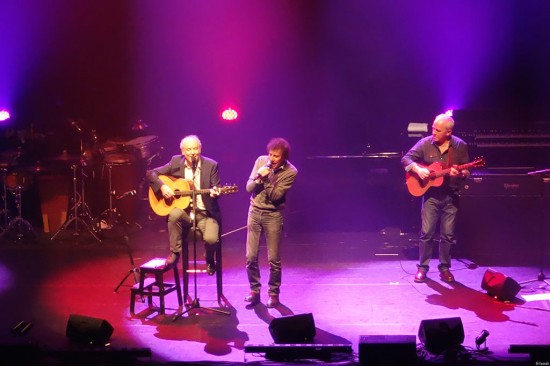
x=186, y=268
x=156, y=286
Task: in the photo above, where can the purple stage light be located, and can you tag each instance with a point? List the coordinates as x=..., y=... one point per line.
x=4, y=115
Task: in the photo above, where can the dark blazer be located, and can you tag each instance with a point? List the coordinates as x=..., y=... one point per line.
x=209, y=178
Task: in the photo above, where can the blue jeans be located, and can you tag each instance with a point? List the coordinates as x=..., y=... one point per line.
x=179, y=224
x=434, y=210
x=271, y=224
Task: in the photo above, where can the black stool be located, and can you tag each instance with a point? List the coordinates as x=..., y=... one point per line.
x=155, y=285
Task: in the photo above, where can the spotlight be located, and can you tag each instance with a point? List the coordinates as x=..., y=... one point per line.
x=229, y=114
x=4, y=115
x=482, y=338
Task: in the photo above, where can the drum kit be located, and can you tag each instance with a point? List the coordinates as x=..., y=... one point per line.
x=15, y=181
x=120, y=169
x=124, y=165
x=115, y=166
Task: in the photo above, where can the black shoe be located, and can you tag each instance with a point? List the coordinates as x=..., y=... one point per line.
x=211, y=268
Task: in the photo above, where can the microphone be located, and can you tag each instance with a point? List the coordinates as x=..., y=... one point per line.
x=194, y=162
x=268, y=166
x=125, y=194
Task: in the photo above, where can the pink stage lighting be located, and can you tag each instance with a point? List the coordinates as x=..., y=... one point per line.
x=4, y=115
x=229, y=114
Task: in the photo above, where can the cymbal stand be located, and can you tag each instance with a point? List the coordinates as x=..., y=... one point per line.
x=5, y=212
x=19, y=221
x=196, y=304
x=110, y=217
x=80, y=210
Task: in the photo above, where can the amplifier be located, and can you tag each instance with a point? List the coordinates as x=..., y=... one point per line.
x=500, y=213
x=503, y=185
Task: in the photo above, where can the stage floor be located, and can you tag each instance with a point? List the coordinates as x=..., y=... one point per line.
x=353, y=283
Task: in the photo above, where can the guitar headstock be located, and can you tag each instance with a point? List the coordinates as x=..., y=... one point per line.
x=478, y=162
x=229, y=189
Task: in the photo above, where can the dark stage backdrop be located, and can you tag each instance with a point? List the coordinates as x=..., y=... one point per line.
x=336, y=78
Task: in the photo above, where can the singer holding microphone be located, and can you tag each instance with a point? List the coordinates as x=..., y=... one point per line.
x=203, y=173
x=269, y=181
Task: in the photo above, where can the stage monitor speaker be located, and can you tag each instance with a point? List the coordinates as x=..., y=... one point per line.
x=387, y=350
x=293, y=329
x=85, y=329
x=439, y=335
x=499, y=285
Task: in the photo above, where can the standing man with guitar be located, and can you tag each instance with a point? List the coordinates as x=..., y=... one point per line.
x=200, y=173
x=271, y=178
x=439, y=202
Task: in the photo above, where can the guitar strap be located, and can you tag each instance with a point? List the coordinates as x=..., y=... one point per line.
x=450, y=155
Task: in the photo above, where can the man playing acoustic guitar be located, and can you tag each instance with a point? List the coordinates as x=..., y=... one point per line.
x=201, y=173
x=440, y=201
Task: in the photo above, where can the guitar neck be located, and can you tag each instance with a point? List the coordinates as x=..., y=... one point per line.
x=190, y=192
x=442, y=172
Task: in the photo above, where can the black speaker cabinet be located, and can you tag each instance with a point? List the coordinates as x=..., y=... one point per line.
x=85, y=329
x=438, y=335
x=499, y=285
x=293, y=329
x=387, y=350
x=501, y=220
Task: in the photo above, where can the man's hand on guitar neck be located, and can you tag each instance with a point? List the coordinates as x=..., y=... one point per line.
x=457, y=173
x=215, y=191
x=454, y=172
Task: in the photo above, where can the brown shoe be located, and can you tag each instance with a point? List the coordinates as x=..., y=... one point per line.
x=171, y=259
x=420, y=275
x=446, y=276
x=273, y=301
x=252, y=298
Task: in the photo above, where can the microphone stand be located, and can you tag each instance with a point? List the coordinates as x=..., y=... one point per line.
x=195, y=304
x=133, y=270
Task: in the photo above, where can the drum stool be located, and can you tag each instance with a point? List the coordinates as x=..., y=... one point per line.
x=155, y=285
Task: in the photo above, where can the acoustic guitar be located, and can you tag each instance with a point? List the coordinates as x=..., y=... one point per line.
x=417, y=187
x=183, y=191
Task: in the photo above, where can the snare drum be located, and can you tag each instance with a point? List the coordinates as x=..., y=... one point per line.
x=147, y=146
